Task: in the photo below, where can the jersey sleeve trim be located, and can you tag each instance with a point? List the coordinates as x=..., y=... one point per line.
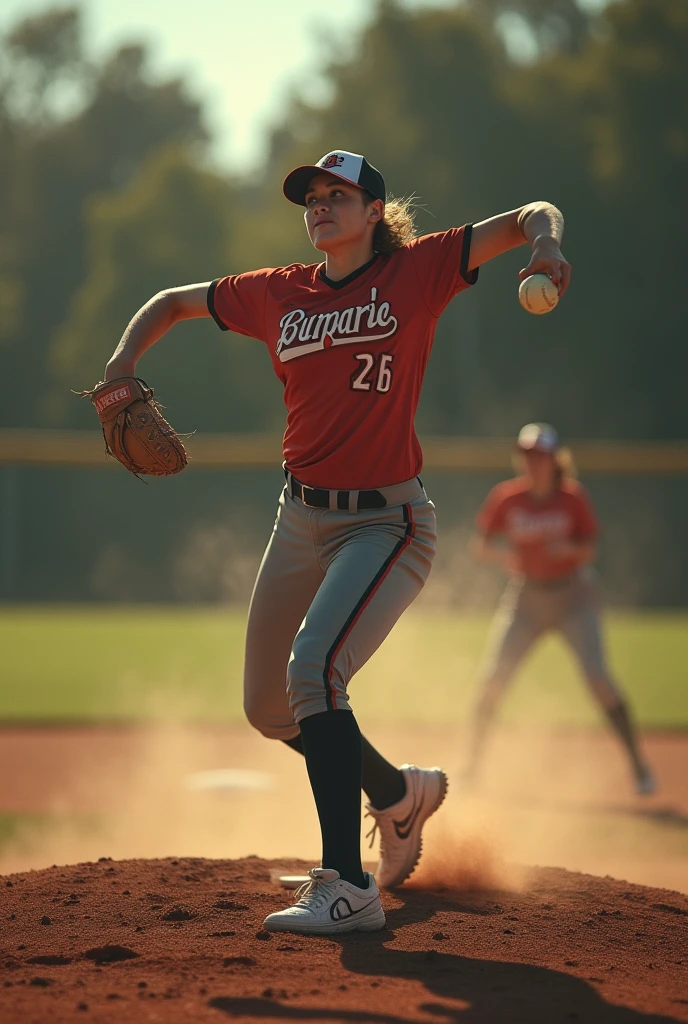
x=210, y=300
x=469, y=276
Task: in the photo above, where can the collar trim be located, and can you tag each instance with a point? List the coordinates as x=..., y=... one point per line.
x=336, y=285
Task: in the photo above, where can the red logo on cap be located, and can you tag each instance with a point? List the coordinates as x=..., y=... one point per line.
x=333, y=160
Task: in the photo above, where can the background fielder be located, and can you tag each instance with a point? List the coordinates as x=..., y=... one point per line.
x=541, y=528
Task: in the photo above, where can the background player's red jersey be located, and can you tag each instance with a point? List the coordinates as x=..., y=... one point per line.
x=531, y=525
x=351, y=354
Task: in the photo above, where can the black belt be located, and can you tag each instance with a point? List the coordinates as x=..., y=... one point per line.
x=319, y=497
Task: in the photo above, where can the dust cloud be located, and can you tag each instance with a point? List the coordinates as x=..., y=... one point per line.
x=559, y=799
x=151, y=793
x=562, y=798
x=466, y=863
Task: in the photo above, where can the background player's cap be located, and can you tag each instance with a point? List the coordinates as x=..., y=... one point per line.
x=350, y=167
x=538, y=437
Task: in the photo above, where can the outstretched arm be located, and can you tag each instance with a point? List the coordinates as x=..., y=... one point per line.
x=540, y=224
x=154, y=320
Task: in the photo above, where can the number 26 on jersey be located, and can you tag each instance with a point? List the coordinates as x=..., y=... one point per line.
x=373, y=373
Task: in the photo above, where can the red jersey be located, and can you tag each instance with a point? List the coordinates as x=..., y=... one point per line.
x=531, y=524
x=351, y=354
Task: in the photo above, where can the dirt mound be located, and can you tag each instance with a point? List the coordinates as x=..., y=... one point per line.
x=182, y=941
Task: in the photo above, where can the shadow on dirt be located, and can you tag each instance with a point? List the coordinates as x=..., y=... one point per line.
x=476, y=991
x=268, y=1009
x=488, y=992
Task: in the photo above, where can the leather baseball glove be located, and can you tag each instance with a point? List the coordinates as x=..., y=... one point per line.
x=136, y=432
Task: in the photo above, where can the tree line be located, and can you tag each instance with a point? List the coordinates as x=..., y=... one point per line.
x=107, y=195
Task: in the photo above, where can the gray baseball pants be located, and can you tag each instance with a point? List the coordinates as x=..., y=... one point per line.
x=330, y=588
x=529, y=609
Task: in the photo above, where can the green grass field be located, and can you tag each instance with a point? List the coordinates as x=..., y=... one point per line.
x=139, y=663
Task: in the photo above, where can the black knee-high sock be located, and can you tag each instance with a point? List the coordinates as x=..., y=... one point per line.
x=382, y=783
x=332, y=747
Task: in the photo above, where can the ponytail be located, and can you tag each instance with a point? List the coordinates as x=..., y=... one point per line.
x=397, y=226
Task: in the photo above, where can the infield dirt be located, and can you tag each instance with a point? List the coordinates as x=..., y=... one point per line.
x=475, y=938
x=181, y=940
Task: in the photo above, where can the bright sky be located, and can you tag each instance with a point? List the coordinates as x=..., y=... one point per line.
x=241, y=56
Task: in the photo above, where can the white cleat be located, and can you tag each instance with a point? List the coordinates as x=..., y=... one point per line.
x=327, y=905
x=401, y=825
x=645, y=783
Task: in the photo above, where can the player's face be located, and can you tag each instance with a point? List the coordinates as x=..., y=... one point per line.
x=540, y=468
x=336, y=215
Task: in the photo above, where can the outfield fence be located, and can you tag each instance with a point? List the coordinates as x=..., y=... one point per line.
x=231, y=451
x=74, y=526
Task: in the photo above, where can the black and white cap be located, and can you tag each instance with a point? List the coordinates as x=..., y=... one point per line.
x=538, y=437
x=350, y=167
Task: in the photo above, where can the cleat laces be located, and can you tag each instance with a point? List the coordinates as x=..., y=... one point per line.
x=313, y=894
x=373, y=832
x=379, y=824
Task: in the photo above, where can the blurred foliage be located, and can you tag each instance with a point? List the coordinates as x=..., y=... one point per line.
x=174, y=222
x=106, y=197
x=68, y=131
x=598, y=128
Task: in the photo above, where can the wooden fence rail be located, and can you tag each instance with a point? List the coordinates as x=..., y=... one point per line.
x=451, y=454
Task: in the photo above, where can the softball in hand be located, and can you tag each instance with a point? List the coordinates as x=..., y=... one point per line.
x=538, y=294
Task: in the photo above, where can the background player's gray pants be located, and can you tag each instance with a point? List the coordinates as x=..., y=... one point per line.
x=528, y=609
x=330, y=587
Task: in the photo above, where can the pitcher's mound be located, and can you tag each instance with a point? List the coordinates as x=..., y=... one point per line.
x=182, y=941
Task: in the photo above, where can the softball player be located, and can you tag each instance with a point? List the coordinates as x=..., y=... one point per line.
x=540, y=527
x=354, y=537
